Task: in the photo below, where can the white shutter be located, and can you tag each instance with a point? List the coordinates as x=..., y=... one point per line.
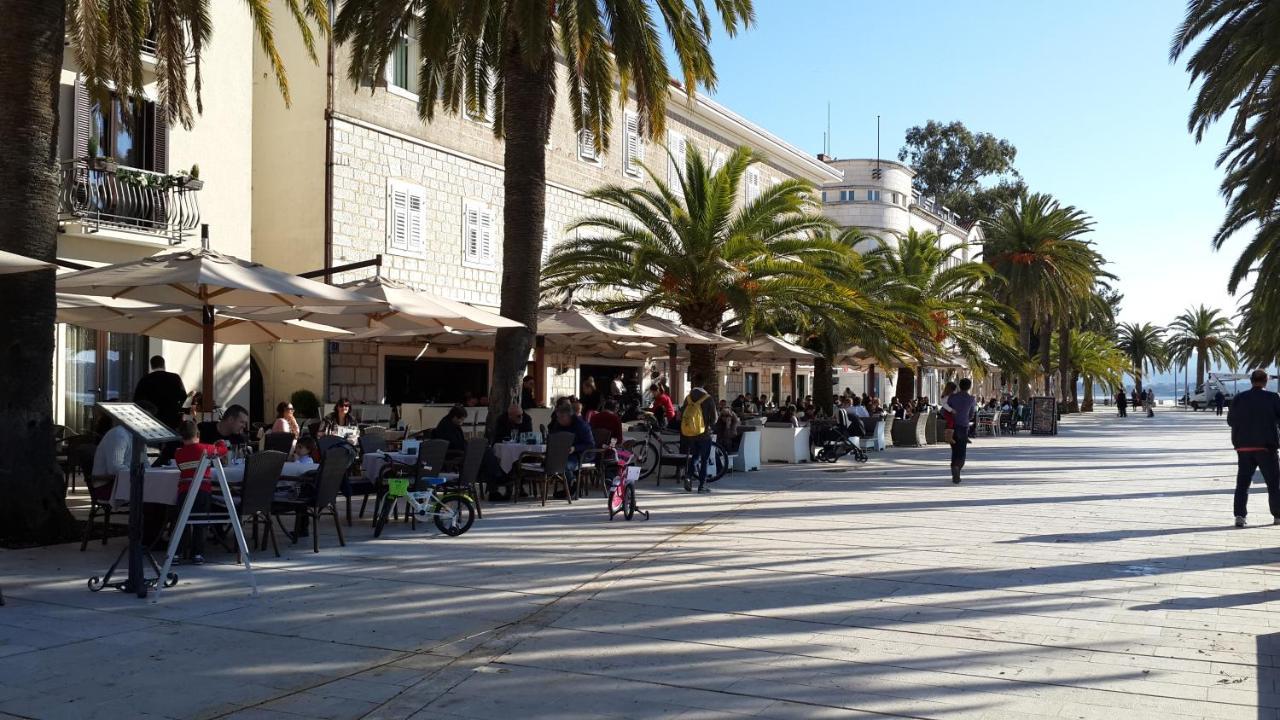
x=587, y=145
x=717, y=162
x=406, y=218
x=546, y=242
x=486, y=236
x=477, y=235
x=633, y=150
x=679, y=152
x=753, y=185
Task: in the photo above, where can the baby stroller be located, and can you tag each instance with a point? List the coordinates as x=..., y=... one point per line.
x=833, y=442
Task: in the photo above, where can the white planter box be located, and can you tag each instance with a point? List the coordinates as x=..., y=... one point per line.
x=748, y=455
x=783, y=443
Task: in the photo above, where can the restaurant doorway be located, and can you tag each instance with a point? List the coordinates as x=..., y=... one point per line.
x=99, y=366
x=775, y=387
x=751, y=384
x=433, y=381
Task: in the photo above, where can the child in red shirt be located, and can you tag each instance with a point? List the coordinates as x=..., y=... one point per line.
x=188, y=459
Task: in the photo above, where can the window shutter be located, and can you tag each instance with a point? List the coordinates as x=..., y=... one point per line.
x=546, y=243
x=397, y=219
x=416, y=211
x=717, y=162
x=486, y=236
x=159, y=139
x=83, y=126
x=753, y=185
x=471, y=234
x=587, y=145
x=679, y=155
x=634, y=148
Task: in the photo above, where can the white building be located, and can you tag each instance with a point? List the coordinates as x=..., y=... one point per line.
x=106, y=215
x=877, y=197
x=448, y=175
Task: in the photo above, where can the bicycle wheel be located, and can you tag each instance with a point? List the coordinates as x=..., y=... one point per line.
x=629, y=502
x=381, y=514
x=721, y=459
x=454, y=514
x=648, y=457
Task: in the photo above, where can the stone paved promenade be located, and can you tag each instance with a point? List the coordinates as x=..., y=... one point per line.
x=1091, y=575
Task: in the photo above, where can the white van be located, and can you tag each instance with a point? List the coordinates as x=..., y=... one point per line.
x=1226, y=382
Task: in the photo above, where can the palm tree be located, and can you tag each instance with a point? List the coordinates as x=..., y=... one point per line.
x=1095, y=358
x=1145, y=347
x=1206, y=333
x=502, y=55
x=107, y=38
x=953, y=295
x=1035, y=244
x=693, y=251
x=1236, y=59
x=1090, y=310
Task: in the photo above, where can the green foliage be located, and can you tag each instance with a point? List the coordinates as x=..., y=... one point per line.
x=468, y=49
x=1095, y=356
x=1145, y=347
x=1205, y=334
x=305, y=404
x=108, y=37
x=1234, y=53
x=952, y=163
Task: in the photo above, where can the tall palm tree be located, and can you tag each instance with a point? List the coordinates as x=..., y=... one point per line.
x=1036, y=245
x=107, y=38
x=1234, y=48
x=696, y=252
x=1095, y=358
x=502, y=55
x=953, y=295
x=1145, y=347
x=1208, y=335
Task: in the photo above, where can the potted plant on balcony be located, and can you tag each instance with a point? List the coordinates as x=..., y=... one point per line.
x=191, y=181
x=105, y=164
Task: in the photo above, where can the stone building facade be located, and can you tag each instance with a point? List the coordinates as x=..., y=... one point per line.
x=428, y=197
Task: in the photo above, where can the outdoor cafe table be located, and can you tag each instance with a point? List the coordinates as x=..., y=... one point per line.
x=372, y=463
x=161, y=484
x=509, y=452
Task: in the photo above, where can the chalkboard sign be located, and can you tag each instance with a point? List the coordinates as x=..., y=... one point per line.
x=1044, y=416
x=144, y=424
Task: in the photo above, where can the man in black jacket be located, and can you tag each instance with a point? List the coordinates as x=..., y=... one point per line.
x=1254, y=418
x=164, y=390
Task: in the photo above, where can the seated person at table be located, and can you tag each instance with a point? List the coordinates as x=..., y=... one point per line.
x=663, y=409
x=115, y=450
x=785, y=415
x=305, y=451
x=229, y=429
x=607, y=419
x=340, y=421
x=450, y=428
x=285, y=421
x=188, y=457
x=512, y=423
x=565, y=420
x=527, y=399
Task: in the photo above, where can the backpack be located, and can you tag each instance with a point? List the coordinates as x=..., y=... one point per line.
x=691, y=423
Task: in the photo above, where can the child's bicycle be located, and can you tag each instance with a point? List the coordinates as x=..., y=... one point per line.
x=622, y=491
x=453, y=509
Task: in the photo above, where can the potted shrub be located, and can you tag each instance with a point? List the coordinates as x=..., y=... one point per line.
x=101, y=164
x=192, y=180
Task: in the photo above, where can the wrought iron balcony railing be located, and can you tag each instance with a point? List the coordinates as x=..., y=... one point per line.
x=101, y=195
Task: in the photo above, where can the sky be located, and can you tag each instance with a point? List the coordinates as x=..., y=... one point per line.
x=1083, y=89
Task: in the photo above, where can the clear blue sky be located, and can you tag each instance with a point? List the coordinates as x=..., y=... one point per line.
x=1084, y=90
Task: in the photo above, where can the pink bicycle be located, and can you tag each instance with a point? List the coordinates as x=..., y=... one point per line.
x=622, y=491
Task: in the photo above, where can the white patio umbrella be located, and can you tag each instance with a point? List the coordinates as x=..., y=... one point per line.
x=14, y=263
x=210, y=282
x=183, y=324
x=396, y=309
x=767, y=348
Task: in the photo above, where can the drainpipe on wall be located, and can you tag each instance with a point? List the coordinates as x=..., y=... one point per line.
x=328, y=177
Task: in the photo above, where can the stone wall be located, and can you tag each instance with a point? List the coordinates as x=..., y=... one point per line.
x=353, y=372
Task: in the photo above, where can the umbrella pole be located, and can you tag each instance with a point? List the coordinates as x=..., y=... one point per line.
x=206, y=328
x=540, y=370
x=871, y=381
x=795, y=382
x=673, y=363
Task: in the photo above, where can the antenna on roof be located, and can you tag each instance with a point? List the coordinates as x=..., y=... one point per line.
x=827, y=149
x=875, y=174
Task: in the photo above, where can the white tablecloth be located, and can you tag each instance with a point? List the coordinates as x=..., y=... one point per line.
x=508, y=453
x=372, y=463
x=161, y=485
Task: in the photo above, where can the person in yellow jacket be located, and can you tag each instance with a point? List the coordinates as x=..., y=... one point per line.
x=697, y=417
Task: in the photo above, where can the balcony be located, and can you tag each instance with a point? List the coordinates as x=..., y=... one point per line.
x=101, y=196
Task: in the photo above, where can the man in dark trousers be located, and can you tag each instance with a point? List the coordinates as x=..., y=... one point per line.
x=1254, y=418
x=961, y=405
x=1122, y=403
x=697, y=418
x=1218, y=401
x=164, y=390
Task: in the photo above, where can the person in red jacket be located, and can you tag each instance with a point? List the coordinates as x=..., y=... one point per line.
x=663, y=409
x=188, y=459
x=607, y=419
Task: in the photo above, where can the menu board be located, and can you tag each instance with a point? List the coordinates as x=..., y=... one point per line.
x=152, y=431
x=1044, y=416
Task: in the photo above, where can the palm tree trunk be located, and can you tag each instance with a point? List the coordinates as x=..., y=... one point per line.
x=32, y=496
x=1046, y=358
x=905, y=386
x=1086, y=404
x=1024, y=341
x=702, y=369
x=1066, y=388
x=823, y=389
x=1201, y=362
x=529, y=100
